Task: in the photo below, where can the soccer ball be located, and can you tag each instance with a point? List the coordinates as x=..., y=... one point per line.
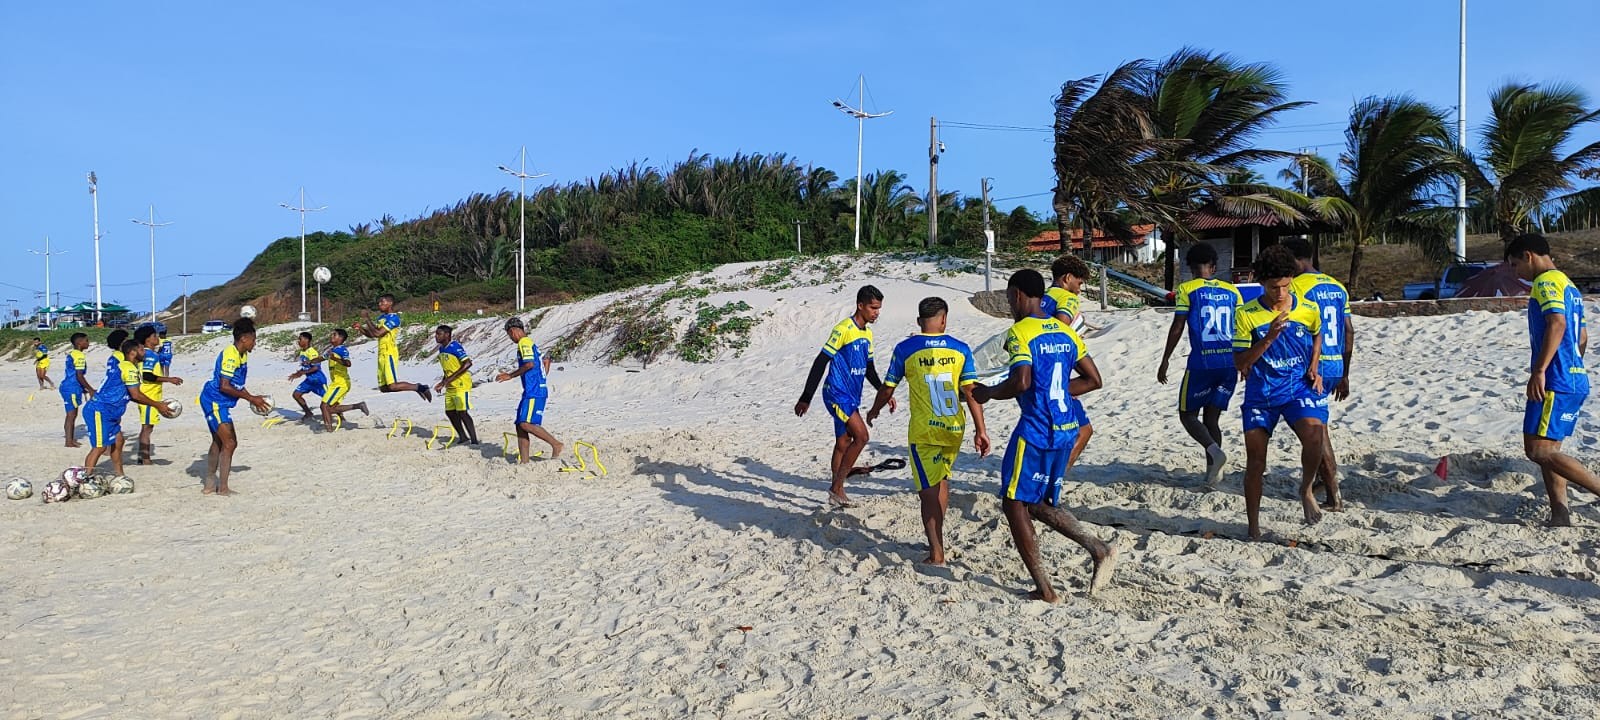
x=270, y=405
x=92, y=487
x=19, y=489
x=175, y=406
x=248, y=311
x=120, y=486
x=57, y=491
x=72, y=476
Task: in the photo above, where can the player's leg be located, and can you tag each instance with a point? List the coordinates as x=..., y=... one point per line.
x=455, y=424
x=1021, y=524
x=69, y=427
x=472, y=429
x=1310, y=432
x=1046, y=510
x=228, y=441
x=305, y=410
x=1328, y=472
x=116, y=451
x=1255, y=469
x=856, y=436
x=146, y=456
x=1545, y=425
x=930, y=467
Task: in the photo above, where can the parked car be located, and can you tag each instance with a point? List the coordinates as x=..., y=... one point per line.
x=42, y=326
x=215, y=326
x=1449, y=283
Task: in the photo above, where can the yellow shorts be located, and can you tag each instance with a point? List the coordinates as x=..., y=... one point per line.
x=388, y=369
x=457, y=399
x=42, y=364
x=930, y=464
x=332, y=394
x=149, y=415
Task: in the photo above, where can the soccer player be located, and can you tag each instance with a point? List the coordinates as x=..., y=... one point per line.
x=1206, y=307
x=939, y=368
x=1277, y=341
x=384, y=330
x=338, y=360
x=41, y=364
x=1558, y=382
x=1338, y=347
x=153, y=374
x=104, y=413
x=75, y=388
x=221, y=393
x=532, y=368
x=1061, y=301
x=456, y=385
x=847, y=359
x=315, y=382
x=1044, y=352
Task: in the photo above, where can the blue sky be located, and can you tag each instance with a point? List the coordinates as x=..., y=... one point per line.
x=216, y=112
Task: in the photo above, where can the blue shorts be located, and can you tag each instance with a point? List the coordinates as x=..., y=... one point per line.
x=1267, y=417
x=531, y=410
x=1555, y=418
x=312, y=386
x=71, y=399
x=1329, y=384
x=1033, y=474
x=1075, y=406
x=1211, y=388
x=217, y=413
x=104, y=427
x=841, y=416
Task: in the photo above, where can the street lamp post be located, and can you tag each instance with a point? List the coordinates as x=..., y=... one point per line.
x=302, y=209
x=48, y=316
x=861, y=116
x=1461, y=143
x=152, y=224
x=522, y=176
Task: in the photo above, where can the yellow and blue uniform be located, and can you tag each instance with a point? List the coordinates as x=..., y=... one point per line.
x=1036, y=458
x=232, y=367
x=41, y=356
x=849, y=351
x=534, y=390
x=458, y=393
x=937, y=367
x=1566, y=381
x=1277, y=386
x=338, y=374
x=103, y=414
x=313, y=382
x=1058, y=302
x=389, y=350
x=157, y=363
x=1333, y=309
x=1208, y=307
x=70, y=388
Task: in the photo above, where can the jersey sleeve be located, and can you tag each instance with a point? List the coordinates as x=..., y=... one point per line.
x=457, y=350
x=897, y=366
x=836, y=340
x=391, y=321
x=1017, y=349
x=150, y=361
x=312, y=355
x=1550, y=295
x=1182, y=307
x=525, y=350
x=230, y=363
x=76, y=356
x=340, y=353
x=969, y=367
x=130, y=374
x=1243, y=327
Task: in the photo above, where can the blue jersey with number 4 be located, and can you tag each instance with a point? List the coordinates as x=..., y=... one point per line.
x=1208, y=307
x=1052, y=349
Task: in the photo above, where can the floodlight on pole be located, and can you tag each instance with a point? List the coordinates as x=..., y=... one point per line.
x=1461, y=143
x=152, y=224
x=302, y=209
x=94, y=196
x=48, y=316
x=861, y=116
x=522, y=176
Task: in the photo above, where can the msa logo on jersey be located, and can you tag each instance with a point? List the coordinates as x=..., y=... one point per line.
x=1569, y=417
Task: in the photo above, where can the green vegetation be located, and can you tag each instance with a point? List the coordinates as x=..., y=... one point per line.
x=717, y=328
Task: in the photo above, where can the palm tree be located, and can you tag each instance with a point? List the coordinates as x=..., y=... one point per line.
x=1399, y=156
x=1522, y=165
x=886, y=202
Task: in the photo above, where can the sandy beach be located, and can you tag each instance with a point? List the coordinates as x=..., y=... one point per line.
x=360, y=576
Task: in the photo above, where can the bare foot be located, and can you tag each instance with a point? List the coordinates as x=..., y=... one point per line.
x=934, y=560
x=74, y=444
x=555, y=450
x=1313, y=513
x=223, y=490
x=207, y=490
x=1214, y=467
x=1103, y=568
x=1559, y=517
x=1334, y=504
x=362, y=406
x=1048, y=596
x=835, y=500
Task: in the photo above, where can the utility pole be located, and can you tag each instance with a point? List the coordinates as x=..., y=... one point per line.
x=302, y=209
x=152, y=224
x=185, y=277
x=48, y=317
x=797, y=249
x=522, y=176
x=94, y=196
x=934, y=148
x=1461, y=143
x=862, y=116
x=988, y=237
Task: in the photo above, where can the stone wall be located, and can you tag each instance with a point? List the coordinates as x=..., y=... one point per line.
x=1414, y=308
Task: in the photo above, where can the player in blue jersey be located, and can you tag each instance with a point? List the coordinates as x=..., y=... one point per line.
x=1044, y=352
x=103, y=414
x=1338, y=348
x=940, y=372
x=847, y=359
x=1277, y=341
x=1558, y=382
x=75, y=387
x=1205, y=307
x=315, y=382
x=218, y=398
x=154, y=372
x=532, y=368
x=1062, y=301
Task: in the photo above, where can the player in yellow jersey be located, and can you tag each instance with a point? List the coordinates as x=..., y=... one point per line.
x=153, y=374
x=41, y=364
x=338, y=389
x=456, y=384
x=939, y=369
x=1061, y=301
x=384, y=330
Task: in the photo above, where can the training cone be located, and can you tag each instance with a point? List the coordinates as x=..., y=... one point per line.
x=1442, y=470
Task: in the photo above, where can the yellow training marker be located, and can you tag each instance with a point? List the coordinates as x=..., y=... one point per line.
x=338, y=422
x=271, y=421
x=594, y=454
x=396, y=428
x=506, y=439
x=429, y=444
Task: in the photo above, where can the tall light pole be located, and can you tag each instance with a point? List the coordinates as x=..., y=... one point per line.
x=48, y=316
x=302, y=209
x=152, y=224
x=522, y=176
x=94, y=196
x=861, y=116
x=1461, y=143
x=185, y=277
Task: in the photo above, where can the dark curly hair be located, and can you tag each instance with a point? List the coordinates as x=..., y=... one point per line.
x=1276, y=262
x=1069, y=265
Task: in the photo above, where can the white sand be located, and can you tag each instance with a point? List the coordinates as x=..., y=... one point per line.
x=356, y=576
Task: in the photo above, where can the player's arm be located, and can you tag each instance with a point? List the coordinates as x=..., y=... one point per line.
x=980, y=435
x=885, y=396
x=1087, y=380
x=341, y=359
x=1555, y=326
x=818, y=367
x=466, y=365
x=872, y=375
x=1314, y=365
x=1245, y=358
x=1174, y=334
x=1017, y=382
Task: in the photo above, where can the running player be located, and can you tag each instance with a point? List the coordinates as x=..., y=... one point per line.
x=41, y=364
x=1338, y=347
x=75, y=388
x=847, y=359
x=104, y=413
x=938, y=368
x=221, y=393
x=315, y=383
x=1206, y=306
x=456, y=385
x=153, y=374
x=1558, y=382
x=385, y=331
x=338, y=360
x=1277, y=341
x=532, y=368
x=1062, y=301
x=1044, y=352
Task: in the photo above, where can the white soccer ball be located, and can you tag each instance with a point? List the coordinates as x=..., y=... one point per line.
x=270, y=405
x=72, y=476
x=248, y=311
x=19, y=489
x=91, y=487
x=57, y=491
x=120, y=486
x=321, y=275
x=175, y=406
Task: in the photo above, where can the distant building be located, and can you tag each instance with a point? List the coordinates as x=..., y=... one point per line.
x=1144, y=247
x=1239, y=239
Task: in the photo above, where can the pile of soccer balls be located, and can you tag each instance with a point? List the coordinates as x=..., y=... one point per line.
x=74, y=482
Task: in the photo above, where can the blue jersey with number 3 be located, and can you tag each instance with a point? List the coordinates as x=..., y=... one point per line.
x=1208, y=307
x=1333, y=308
x=1052, y=349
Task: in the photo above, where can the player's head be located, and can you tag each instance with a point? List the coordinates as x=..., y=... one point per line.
x=933, y=313
x=339, y=336
x=386, y=302
x=244, y=334
x=1201, y=259
x=37, y=340
x=1023, y=291
x=869, y=302
x=132, y=349
x=114, y=340
x=1529, y=255
x=80, y=340
x=1275, y=269
x=303, y=340
x=515, y=329
x=144, y=333
x=1069, y=272
x=1302, y=253
x=442, y=334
